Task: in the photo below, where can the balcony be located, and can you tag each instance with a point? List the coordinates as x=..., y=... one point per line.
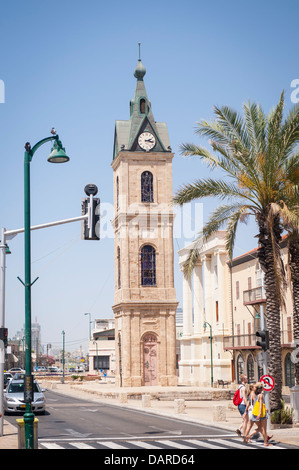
x=254, y=296
x=239, y=342
x=248, y=341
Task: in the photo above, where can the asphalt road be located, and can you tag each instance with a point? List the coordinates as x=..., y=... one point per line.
x=89, y=424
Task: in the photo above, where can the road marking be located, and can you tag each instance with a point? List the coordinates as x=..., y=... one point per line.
x=81, y=445
x=175, y=444
x=112, y=445
x=52, y=445
x=206, y=444
x=145, y=445
x=234, y=444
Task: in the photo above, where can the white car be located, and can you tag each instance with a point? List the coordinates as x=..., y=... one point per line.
x=14, y=398
x=15, y=370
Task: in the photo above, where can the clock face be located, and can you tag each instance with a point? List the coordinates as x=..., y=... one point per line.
x=147, y=141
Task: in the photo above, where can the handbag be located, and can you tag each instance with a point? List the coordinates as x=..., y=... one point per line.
x=256, y=409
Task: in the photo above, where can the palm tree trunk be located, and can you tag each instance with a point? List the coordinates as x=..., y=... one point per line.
x=266, y=259
x=294, y=267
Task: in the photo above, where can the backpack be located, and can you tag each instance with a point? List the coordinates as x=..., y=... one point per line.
x=237, y=400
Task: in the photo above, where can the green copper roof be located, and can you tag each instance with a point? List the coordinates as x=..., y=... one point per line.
x=141, y=119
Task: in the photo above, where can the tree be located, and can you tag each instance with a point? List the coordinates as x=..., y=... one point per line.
x=256, y=153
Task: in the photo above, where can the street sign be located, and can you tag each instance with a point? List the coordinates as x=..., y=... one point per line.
x=269, y=382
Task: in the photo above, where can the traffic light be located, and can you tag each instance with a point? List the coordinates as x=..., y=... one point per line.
x=4, y=335
x=91, y=207
x=264, y=339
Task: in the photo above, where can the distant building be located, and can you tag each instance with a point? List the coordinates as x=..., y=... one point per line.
x=102, y=347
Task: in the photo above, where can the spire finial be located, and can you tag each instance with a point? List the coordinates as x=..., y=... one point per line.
x=140, y=69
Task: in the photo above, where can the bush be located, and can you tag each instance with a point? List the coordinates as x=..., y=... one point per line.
x=76, y=377
x=282, y=416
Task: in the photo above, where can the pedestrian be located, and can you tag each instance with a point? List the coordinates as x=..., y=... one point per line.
x=249, y=409
x=259, y=414
x=242, y=406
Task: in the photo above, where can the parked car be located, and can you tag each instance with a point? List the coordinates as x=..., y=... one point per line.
x=53, y=370
x=7, y=378
x=14, y=370
x=14, y=398
x=41, y=369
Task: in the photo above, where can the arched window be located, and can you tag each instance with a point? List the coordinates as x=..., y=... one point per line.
x=147, y=193
x=240, y=367
x=142, y=106
x=250, y=369
x=118, y=269
x=289, y=371
x=148, y=266
x=117, y=192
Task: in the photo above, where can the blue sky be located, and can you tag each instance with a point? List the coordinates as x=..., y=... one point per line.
x=70, y=64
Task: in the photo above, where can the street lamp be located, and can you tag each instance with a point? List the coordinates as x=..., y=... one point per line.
x=57, y=155
x=63, y=347
x=211, y=338
x=96, y=343
x=90, y=322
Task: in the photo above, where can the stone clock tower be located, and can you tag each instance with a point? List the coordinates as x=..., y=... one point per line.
x=145, y=300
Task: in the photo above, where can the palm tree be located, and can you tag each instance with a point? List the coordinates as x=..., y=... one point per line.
x=290, y=224
x=256, y=154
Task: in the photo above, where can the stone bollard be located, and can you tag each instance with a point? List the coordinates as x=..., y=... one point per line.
x=146, y=401
x=219, y=413
x=123, y=398
x=179, y=405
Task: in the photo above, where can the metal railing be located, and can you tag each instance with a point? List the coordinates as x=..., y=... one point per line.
x=249, y=341
x=253, y=296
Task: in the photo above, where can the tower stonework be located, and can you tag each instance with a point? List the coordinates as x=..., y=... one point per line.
x=145, y=299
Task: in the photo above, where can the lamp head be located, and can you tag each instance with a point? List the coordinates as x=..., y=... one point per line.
x=58, y=154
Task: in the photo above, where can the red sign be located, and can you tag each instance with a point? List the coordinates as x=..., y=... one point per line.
x=268, y=381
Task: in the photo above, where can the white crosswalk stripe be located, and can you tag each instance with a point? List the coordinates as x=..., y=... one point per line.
x=112, y=445
x=144, y=445
x=178, y=443
x=81, y=445
x=52, y=445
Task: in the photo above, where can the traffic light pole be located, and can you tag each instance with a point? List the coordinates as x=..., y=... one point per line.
x=265, y=365
x=2, y=323
x=8, y=235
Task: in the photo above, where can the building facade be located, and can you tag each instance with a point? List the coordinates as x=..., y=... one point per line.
x=145, y=299
x=223, y=301
x=206, y=315
x=102, y=347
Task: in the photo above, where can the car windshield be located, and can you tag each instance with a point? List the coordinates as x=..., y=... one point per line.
x=19, y=388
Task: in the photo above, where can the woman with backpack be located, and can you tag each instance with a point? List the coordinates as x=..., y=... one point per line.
x=241, y=402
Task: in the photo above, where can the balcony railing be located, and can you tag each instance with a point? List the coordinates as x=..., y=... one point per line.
x=254, y=296
x=248, y=341
x=239, y=342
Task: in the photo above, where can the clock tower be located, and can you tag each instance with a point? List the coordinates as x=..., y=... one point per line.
x=145, y=299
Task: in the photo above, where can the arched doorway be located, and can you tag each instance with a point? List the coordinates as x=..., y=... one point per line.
x=150, y=360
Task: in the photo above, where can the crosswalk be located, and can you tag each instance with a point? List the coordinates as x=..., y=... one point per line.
x=159, y=444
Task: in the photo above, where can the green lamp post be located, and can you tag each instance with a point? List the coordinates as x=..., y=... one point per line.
x=57, y=155
x=211, y=339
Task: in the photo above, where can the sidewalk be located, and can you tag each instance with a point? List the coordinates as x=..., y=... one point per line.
x=211, y=412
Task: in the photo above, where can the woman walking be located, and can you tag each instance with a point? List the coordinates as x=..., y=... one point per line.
x=258, y=414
